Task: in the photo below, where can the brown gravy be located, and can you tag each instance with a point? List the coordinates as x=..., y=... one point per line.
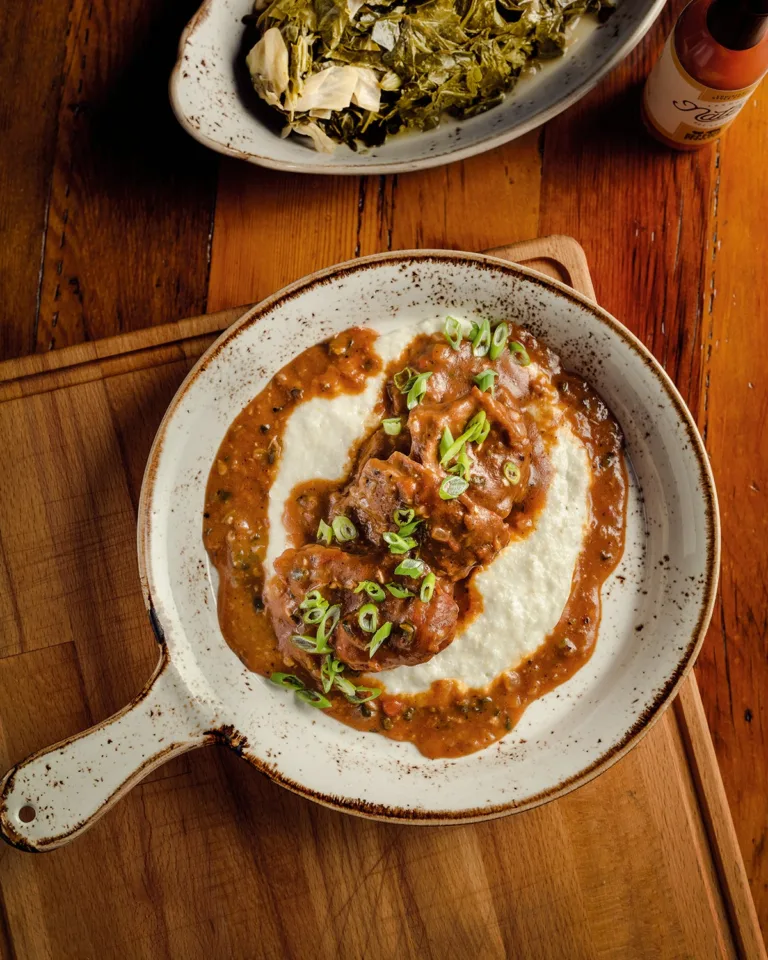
x=448, y=720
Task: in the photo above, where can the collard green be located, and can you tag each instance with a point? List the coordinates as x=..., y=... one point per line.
x=342, y=71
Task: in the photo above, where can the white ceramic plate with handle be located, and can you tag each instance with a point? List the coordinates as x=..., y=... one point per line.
x=656, y=605
x=212, y=98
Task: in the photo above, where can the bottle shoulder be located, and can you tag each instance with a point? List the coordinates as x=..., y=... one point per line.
x=712, y=64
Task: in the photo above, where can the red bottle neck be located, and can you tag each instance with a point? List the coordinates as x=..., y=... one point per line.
x=738, y=24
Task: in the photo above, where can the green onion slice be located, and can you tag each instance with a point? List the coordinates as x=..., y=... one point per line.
x=288, y=680
x=418, y=389
x=310, y=644
x=403, y=515
x=451, y=488
x=512, y=472
x=498, y=341
x=446, y=442
x=411, y=567
x=399, y=592
x=427, y=588
x=404, y=379
x=483, y=435
x=372, y=588
x=346, y=686
x=473, y=329
x=398, y=545
x=328, y=623
x=392, y=426
x=481, y=342
x=313, y=599
x=343, y=529
x=463, y=465
x=473, y=429
x=368, y=693
x=408, y=529
x=368, y=618
x=324, y=533
x=314, y=614
x=454, y=332
x=485, y=380
x=314, y=698
x=379, y=637
x=328, y=671
x=520, y=353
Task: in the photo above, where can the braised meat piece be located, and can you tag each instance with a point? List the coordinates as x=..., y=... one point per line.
x=455, y=535
x=419, y=628
x=507, y=441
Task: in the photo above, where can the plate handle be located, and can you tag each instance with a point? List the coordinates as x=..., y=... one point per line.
x=57, y=793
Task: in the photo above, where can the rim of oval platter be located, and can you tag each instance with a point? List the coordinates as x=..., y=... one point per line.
x=450, y=155
x=705, y=482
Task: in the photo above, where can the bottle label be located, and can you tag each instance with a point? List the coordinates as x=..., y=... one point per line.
x=682, y=108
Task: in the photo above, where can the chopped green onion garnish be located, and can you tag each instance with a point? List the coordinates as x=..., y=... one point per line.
x=418, y=390
x=473, y=329
x=379, y=637
x=473, y=429
x=520, y=352
x=328, y=623
x=372, y=588
x=475, y=426
x=368, y=618
x=399, y=592
x=397, y=544
x=404, y=379
x=314, y=614
x=463, y=465
x=483, y=434
x=313, y=599
x=314, y=698
x=446, y=442
x=451, y=488
x=499, y=341
x=411, y=567
x=369, y=693
x=324, y=533
x=310, y=644
x=403, y=515
x=328, y=672
x=288, y=680
x=407, y=530
x=481, y=342
x=427, y=588
x=392, y=426
x=454, y=332
x=343, y=529
x=346, y=686
x=512, y=472
x=485, y=380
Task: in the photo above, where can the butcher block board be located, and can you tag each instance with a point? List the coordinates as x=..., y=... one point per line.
x=207, y=858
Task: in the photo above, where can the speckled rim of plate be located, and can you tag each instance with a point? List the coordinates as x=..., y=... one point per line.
x=172, y=692
x=396, y=166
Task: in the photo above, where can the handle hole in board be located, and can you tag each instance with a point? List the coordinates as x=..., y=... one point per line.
x=27, y=813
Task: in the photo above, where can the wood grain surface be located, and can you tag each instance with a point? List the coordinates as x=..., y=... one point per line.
x=206, y=858
x=107, y=225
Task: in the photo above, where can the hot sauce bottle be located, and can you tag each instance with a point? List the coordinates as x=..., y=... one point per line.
x=711, y=63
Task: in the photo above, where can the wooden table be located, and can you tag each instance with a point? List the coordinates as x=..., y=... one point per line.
x=111, y=219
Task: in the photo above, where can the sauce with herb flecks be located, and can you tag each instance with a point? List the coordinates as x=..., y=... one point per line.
x=437, y=393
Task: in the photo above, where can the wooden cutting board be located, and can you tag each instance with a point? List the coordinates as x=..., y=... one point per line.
x=207, y=858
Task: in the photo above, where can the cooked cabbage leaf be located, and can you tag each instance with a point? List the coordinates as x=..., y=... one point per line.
x=350, y=71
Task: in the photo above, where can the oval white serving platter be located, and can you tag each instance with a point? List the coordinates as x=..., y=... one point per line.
x=211, y=96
